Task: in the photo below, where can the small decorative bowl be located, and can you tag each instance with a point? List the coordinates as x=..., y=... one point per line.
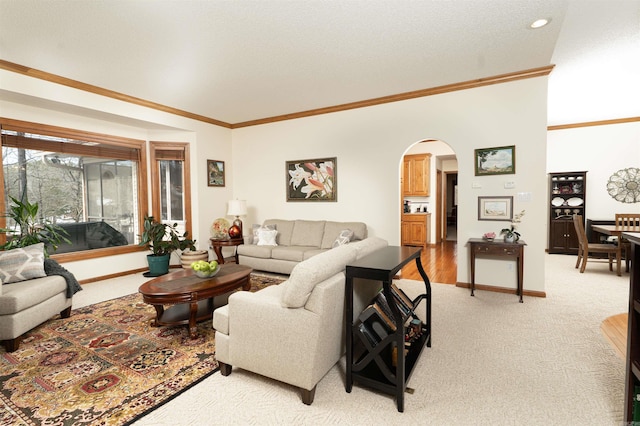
x=207, y=274
x=489, y=236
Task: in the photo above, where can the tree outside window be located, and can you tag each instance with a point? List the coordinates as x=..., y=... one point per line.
x=89, y=188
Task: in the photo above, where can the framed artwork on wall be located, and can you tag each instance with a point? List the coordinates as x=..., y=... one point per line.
x=495, y=161
x=215, y=173
x=312, y=180
x=495, y=208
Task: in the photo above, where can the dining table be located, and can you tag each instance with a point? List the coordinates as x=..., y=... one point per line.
x=614, y=231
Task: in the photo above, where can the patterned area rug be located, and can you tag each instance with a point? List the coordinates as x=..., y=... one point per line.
x=104, y=365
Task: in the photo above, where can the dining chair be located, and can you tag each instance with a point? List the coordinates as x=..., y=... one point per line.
x=629, y=222
x=585, y=248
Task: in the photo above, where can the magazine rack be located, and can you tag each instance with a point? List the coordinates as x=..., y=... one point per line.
x=385, y=341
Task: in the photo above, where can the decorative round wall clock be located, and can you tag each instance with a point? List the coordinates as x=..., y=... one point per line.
x=624, y=185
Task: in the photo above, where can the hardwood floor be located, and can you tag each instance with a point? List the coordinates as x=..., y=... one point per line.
x=439, y=262
x=614, y=329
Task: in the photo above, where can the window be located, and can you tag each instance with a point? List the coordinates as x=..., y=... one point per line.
x=170, y=189
x=89, y=184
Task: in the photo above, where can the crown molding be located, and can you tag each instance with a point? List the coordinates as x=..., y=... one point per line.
x=53, y=78
x=594, y=123
x=498, y=79
x=486, y=81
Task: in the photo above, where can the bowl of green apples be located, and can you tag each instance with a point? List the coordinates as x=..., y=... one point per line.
x=205, y=269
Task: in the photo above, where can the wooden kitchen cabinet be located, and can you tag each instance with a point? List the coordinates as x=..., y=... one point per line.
x=415, y=175
x=415, y=229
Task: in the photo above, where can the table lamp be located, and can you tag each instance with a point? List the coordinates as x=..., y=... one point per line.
x=236, y=208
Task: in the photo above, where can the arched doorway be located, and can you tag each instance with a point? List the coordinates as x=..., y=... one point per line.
x=437, y=207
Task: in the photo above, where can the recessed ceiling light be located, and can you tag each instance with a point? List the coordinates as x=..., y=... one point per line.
x=539, y=23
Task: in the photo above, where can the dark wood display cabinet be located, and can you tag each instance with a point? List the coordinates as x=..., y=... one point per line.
x=632, y=385
x=567, y=196
x=385, y=340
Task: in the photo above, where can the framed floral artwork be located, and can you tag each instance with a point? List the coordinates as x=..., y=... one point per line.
x=495, y=208
x=215, y=173
x=312, y=180
x=496, y=161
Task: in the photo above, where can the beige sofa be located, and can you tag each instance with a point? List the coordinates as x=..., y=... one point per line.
x=294, y=332
x=296, y=240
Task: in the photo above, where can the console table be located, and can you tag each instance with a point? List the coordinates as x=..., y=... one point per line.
x=481, y=247
x=375, y=365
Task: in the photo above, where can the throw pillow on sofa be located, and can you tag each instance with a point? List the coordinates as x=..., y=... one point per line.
x=21, y=264
x=267, y=237
x=257, y=227
x=344, y=238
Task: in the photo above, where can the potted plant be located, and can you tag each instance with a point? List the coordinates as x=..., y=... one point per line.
x=510, y=234
x=162, y=239
x=28, y=230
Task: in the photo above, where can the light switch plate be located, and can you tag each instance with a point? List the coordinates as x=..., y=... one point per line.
x=509, y=185
x=524, y=196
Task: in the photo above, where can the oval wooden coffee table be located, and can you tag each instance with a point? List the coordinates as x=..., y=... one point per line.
x=191, y=297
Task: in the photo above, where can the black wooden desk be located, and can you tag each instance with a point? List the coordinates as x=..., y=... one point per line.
x=372, y=367
x=480, y=247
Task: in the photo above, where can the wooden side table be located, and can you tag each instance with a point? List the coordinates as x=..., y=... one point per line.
x=515, y=250
x=218, y=244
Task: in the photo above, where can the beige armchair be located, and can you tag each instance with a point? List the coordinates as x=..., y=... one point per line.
x=33, y=290
x=27, y=304
x=294, y=332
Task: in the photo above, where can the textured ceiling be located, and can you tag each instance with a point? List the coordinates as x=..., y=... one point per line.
x=236, y=61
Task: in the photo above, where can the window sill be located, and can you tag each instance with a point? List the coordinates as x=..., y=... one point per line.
x=96, y=253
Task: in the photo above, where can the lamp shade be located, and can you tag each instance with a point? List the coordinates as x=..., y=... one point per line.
x=237, y=208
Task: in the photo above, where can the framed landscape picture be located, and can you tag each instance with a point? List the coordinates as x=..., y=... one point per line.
x=312, y=180
x=215, y=173
x=495, y=161
x=495, y=208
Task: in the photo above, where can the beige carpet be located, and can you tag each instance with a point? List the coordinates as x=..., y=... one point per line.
x=493, y=361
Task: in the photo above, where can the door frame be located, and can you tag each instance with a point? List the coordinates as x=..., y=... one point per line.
x=439, y=206
x=446, y=202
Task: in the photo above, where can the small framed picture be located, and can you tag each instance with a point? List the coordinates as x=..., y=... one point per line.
x=312, y=180
x=495, y=208
x=496, y=161
x=215, y=173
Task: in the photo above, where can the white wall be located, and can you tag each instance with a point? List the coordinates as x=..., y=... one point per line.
x=601, y=151
x=29, y=99
x=369, y=144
